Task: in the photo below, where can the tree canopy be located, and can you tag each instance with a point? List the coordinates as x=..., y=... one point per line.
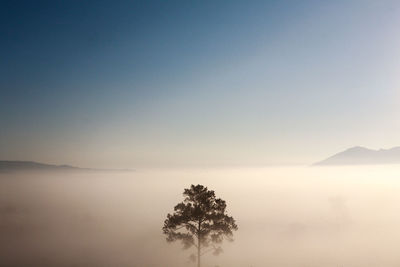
x=200, y=221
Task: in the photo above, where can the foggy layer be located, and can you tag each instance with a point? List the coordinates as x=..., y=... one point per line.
x=287, y=216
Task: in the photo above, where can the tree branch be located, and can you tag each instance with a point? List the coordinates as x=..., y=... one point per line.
x=208, y=250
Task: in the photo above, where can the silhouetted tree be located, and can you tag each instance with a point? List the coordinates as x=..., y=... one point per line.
x=200, y=221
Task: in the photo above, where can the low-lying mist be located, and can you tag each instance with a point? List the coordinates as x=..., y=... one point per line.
x=287, y=216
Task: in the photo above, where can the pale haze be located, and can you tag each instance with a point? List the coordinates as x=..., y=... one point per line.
x=287, y=216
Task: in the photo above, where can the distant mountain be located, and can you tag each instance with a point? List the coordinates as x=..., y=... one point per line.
x=363, y=156
x=12, y=166
x=7, y=166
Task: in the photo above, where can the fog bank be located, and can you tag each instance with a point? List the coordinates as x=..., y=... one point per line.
x=287, y=216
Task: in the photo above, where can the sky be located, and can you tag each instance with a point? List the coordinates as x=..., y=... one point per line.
x=137, y=84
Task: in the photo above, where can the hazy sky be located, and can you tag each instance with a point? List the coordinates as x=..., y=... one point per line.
x=166, y=83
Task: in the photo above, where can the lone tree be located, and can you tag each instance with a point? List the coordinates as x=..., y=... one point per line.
x=200, y=221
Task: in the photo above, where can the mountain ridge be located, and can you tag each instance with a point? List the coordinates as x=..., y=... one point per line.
x=359, y=155
x=18, y=165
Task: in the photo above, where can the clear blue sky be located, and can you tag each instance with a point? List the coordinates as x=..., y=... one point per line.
x=197, y=83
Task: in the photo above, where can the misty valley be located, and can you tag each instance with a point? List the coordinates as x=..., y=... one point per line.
x=286, y=216
x=199, y=133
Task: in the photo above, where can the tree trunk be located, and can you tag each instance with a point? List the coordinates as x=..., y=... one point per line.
x=198, y=255
x=198, y=244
